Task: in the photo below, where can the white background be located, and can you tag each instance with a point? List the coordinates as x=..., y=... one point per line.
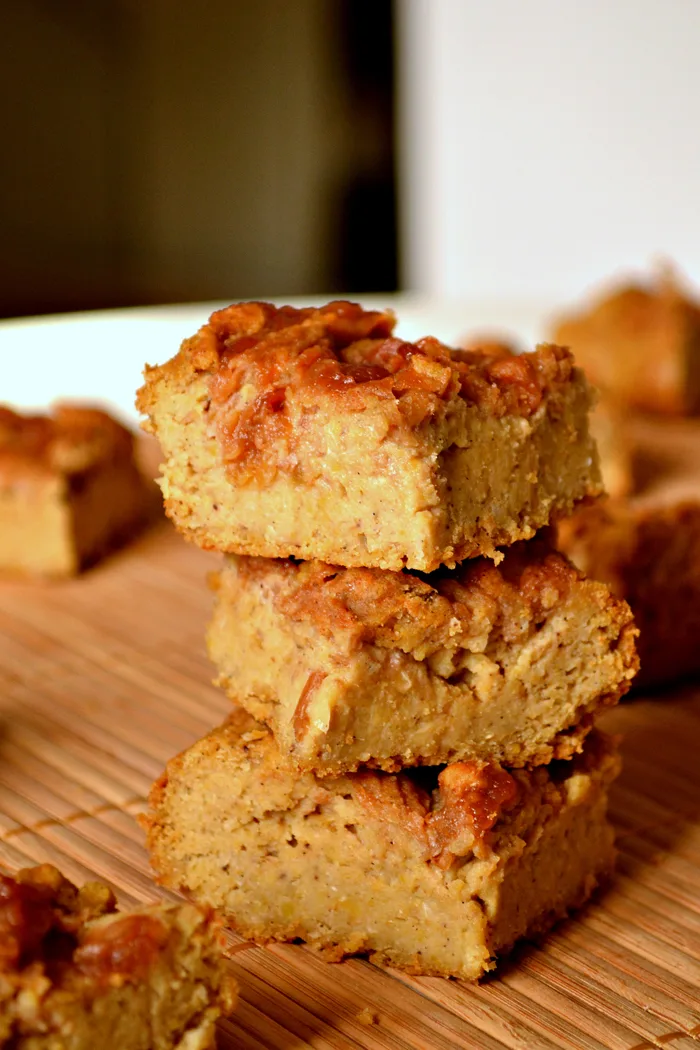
x=546, y=143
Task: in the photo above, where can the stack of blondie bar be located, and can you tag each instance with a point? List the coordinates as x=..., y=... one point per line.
x=411, y=767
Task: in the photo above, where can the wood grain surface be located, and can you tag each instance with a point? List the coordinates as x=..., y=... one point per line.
x=104, y=678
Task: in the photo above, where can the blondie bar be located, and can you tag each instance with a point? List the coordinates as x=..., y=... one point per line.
x=647, y=548
x=316, y=433
x=434, y=870
x=648, y=552
x=641, y=345
x=506, y=663
x=77, y=974
x=70, y=490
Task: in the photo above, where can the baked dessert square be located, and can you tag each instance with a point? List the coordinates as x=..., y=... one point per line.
x=316, y=433
x=434, y=871
x=640, y=343
x=507, y=663
x=646, y=548
x=75, y=973
x=70, y=490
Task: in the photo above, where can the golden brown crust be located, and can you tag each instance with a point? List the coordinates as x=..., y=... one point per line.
x=268, y=365
x=71, y=440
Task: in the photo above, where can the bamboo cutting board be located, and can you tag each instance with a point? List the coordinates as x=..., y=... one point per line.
x=104, y=678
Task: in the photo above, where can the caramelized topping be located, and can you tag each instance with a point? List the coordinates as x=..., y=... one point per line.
x=394, y=800
x=370, y=603
x=269, y=365
x=468, y=801
x=402, y=610
x=46, y=921
x=127, y=946
x=472, y=796
x=26, y=916
x=70, y=440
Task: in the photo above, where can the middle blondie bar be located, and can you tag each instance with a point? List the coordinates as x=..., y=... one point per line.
x=504, y=663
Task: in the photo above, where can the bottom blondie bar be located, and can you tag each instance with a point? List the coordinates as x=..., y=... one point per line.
x=77, y=975
x=434, y=870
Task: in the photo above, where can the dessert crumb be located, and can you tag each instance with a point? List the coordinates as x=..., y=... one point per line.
x=367, y=1016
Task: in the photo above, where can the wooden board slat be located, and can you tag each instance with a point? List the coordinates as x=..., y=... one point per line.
x=104, y=678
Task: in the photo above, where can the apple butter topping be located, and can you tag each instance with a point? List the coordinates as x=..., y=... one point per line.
x=70, y=440
x=268, y=366
x=26, y=916
x=406, y=611
x=472, y=796
x=123, y=947
x=456, y=820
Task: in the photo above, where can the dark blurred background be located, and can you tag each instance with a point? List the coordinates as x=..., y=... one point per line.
x=158, y=151
x=155, y=151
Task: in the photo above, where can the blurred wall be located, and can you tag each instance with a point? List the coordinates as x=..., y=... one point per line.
x=545, y=144
x=165, y=150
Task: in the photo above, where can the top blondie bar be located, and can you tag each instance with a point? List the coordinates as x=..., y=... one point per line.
x=316, y=433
